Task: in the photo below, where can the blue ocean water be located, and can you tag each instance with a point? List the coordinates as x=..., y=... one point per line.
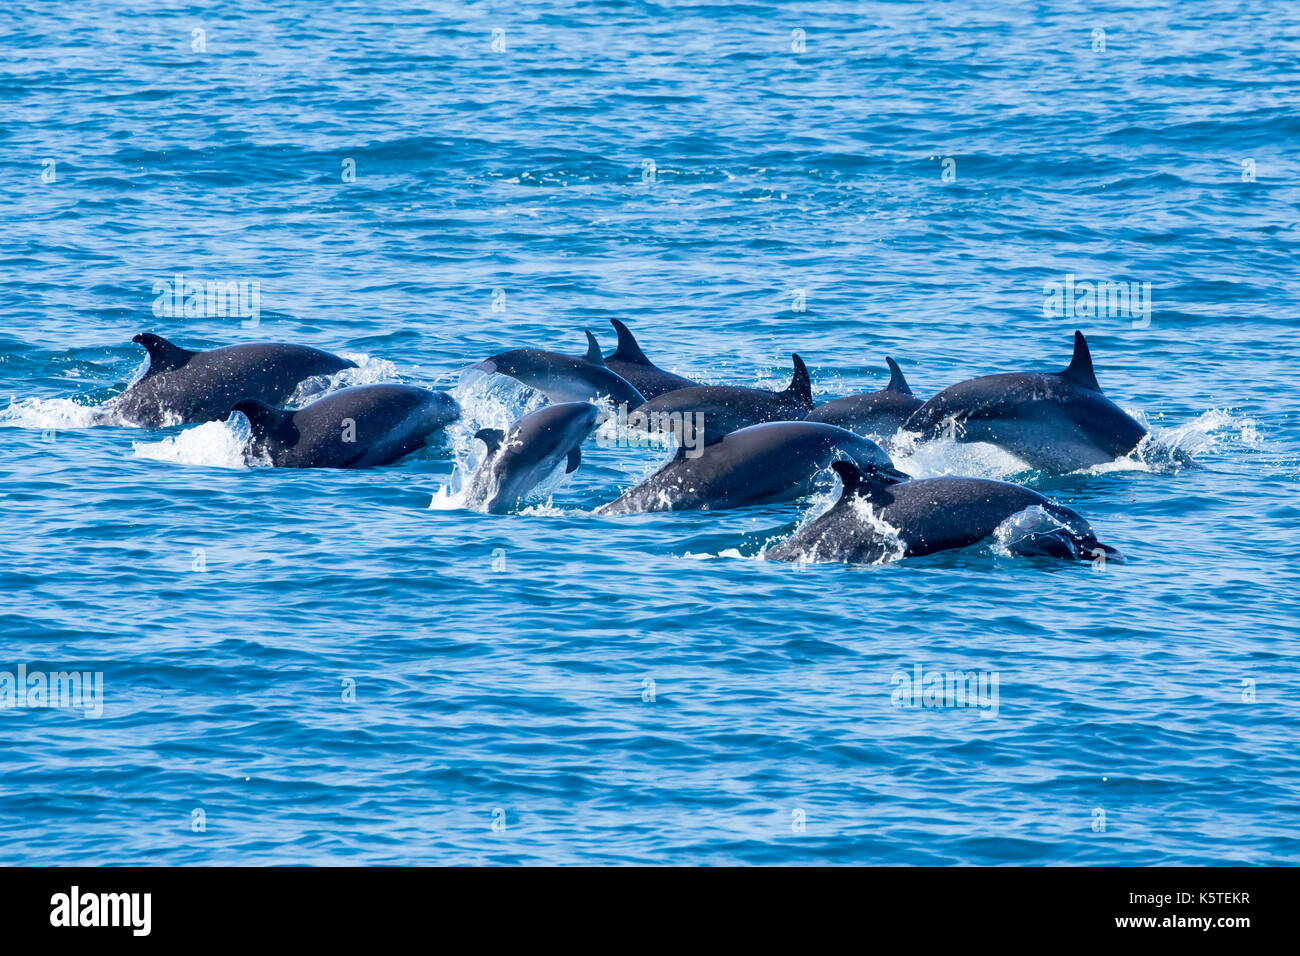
x=346, y=667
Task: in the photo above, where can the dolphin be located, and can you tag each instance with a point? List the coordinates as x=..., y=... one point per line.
x=631, y=363
x=877, y=518
x=183, y=386
x=521, y=457
x=563, y=378
x=877, y=413
x=1056, y=421
x=761, y=464
x=720, y=409
x=354, y=427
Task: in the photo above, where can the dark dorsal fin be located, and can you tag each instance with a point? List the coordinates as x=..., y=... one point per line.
x=865, y=481
x=851, y=476
x=896, y=381
x=1080, y=370
x=163, y=355
x=594, y=354
x=800, y=385
x=492, y=437
x=628, y=350
x=268, y=422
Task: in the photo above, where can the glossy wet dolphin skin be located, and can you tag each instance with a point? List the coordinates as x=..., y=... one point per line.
x=1055, y=421
x=182, y=386
x=876, y=519
x=527, y=453
x=761, y=464
x=358, y=427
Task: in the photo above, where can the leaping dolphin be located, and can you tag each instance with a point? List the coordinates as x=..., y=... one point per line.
x=357, y=427
x=1056, y=421
x=727, y=408
x=762, y=464
x=521, y=457
x=630, y=362
x=936, y=514
x=563, y=378
x=183, y=386
x=878, y=413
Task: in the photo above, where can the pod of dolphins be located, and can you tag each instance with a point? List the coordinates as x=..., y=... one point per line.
x=736, y=446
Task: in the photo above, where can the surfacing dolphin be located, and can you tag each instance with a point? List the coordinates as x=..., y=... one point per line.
x=183, y=386
x=877, y=519
x=1055, y=421
x=520, y=458
x=720, y=409
x=631, y=363
x=356, y=427
x=563, y=378
x=878, y=413
x=777, y=461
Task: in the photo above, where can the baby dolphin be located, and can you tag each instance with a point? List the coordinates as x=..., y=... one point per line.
x=761, y=464
x=877, y=413
x=877, y=518
x=719, y=409
x=518, y=459
x=1056, y=421
x=631, y=363
x=563, y=378
x=356, y=427
x=183, y=386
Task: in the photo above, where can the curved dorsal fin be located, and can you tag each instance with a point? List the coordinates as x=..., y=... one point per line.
x=1080, y=368
x=492, y=437
x=594, y=354
x=268, y=422
x=628, y=350
x=896, y=381
x=163, y=355
x=800, y=385
x=851, y=476
x=866, y=481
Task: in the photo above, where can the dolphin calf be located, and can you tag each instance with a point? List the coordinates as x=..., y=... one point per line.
x=878, y=518
x=776, y=461
x=631, y=363
x=877, y=413
x=563, y=378
x=183, y=386
x=719, y=409
x=352, y=428
x=529, y=451
x=1056, y=421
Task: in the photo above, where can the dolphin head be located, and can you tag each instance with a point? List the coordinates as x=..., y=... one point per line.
x=1055, y=531
x=529, y=451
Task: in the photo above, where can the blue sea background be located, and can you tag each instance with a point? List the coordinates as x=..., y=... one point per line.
x=558, y=687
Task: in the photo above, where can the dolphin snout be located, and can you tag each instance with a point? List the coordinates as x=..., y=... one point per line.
x=1096, y=549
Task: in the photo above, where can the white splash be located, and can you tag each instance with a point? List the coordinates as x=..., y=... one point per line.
x=1030, y=521
x=489, y=401
x=947, y=456
x=728, y=553
x=369, y=371
x=212, y=444
x=56, y=414
x=1167, y=450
